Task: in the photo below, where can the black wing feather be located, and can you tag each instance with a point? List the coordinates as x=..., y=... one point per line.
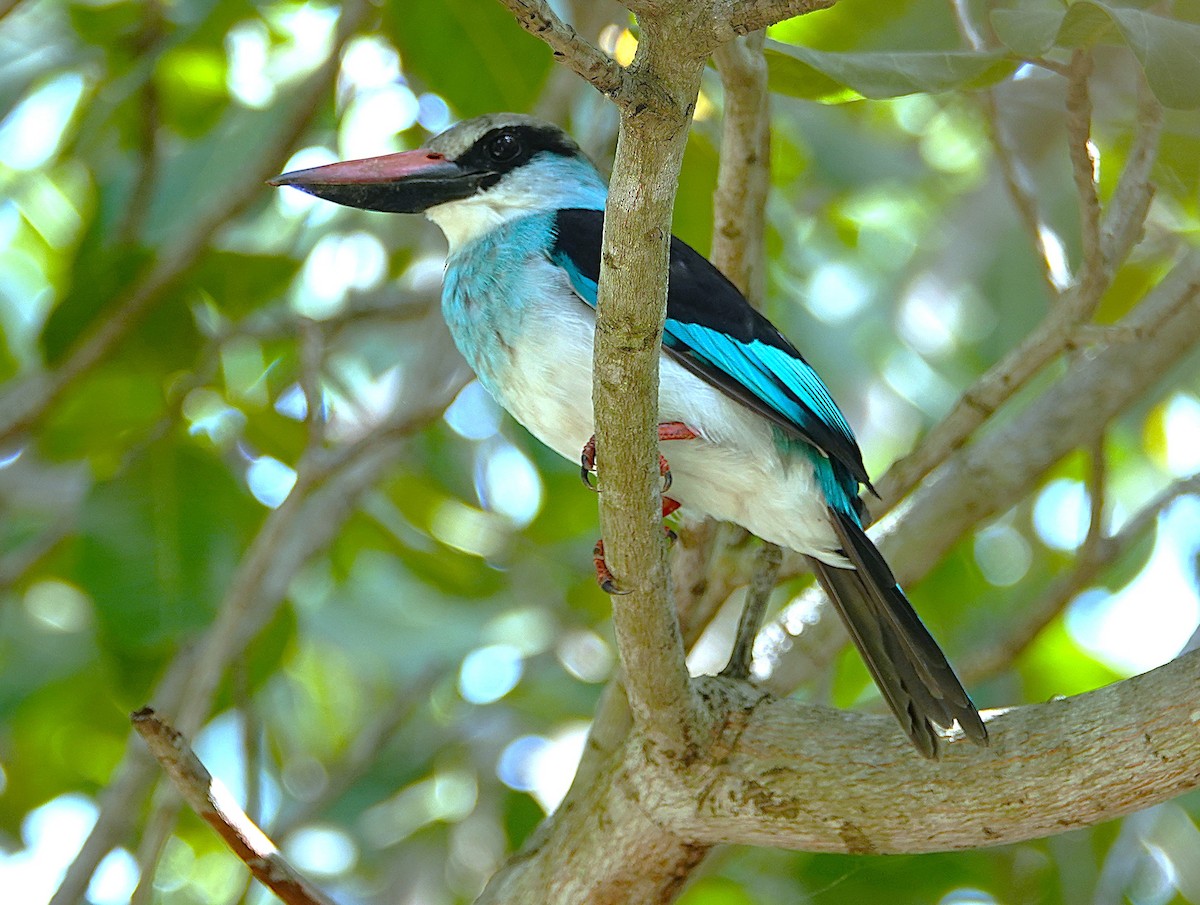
x=699, y=294
x=908, y=666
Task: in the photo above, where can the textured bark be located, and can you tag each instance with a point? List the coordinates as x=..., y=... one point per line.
x=714, y=761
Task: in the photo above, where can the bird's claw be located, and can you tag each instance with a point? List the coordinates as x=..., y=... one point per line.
x=669, y=431
x=587, y=464
x=604, y=576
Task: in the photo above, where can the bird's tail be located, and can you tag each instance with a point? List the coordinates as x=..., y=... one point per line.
x=906, y=663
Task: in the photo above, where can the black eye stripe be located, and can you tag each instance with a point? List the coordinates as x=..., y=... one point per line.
x=505, y=148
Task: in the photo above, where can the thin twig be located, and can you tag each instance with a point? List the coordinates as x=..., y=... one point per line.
x=1083, y=161
x=766, y=571
x=734, y=19
x=1024, y=197
x=1066, y=324
x=122, y=800
x=1016, y=177
x=330, y=488
x=311, y=350
x=586, y=59
x=212, y=801
x=1094, y=557
x=1125, y=214
x=744, y=176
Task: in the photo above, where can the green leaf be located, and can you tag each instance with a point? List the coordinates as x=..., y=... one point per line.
x=100, y=275
x=472, y=52
x=837, y=77
x=158, y=545
x=106, y=24
x=1169, y=50
x=101, y=415
x=1029, y=27
x=716, y=891
x=1086, y=25
x=191, y=87
x=239, y=283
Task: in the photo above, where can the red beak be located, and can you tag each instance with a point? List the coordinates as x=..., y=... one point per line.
x=406, y=183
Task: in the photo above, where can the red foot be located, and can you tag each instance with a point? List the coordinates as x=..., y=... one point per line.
x=587, y=463
x=668, y=430
x=604, y=576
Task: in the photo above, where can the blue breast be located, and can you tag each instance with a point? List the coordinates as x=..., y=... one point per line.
x=488, y=289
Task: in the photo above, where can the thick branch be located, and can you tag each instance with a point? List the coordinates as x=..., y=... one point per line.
x=817, y=779
x=797, y=776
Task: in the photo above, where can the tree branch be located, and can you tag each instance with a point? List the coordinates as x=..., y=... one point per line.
x=1125, y=216
x=1083, y=161
x=740, y=17
x=817, y=779
x=323, y=502
x=121, y=801
x=212, y=801
x=584, y=58
x=785, y=774
x=983, y=479
x=1065, y=325
x=1093, y=559
x=744, y=174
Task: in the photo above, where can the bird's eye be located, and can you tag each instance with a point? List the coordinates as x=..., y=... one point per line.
x=504, y=147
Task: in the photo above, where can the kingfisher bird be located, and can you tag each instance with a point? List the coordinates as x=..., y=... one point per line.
x=754, y=436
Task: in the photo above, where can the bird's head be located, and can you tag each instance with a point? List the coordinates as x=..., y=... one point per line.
x=468, y=179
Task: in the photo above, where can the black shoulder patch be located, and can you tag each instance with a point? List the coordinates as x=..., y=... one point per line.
x=579, y=234
x=698, y=293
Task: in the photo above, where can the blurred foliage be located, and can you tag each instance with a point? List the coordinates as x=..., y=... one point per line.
x=429, y=659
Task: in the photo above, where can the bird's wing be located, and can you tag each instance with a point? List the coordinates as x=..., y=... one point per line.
x=713, y=331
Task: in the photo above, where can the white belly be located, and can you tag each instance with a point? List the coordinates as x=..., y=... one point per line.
x=734, y=471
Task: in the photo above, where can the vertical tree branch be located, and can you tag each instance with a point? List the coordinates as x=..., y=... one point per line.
x=744, y=174
x=631, y=309
x=1083, y=160
x=739, y=225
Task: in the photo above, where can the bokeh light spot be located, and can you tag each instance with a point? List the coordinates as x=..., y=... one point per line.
x=489, y=673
